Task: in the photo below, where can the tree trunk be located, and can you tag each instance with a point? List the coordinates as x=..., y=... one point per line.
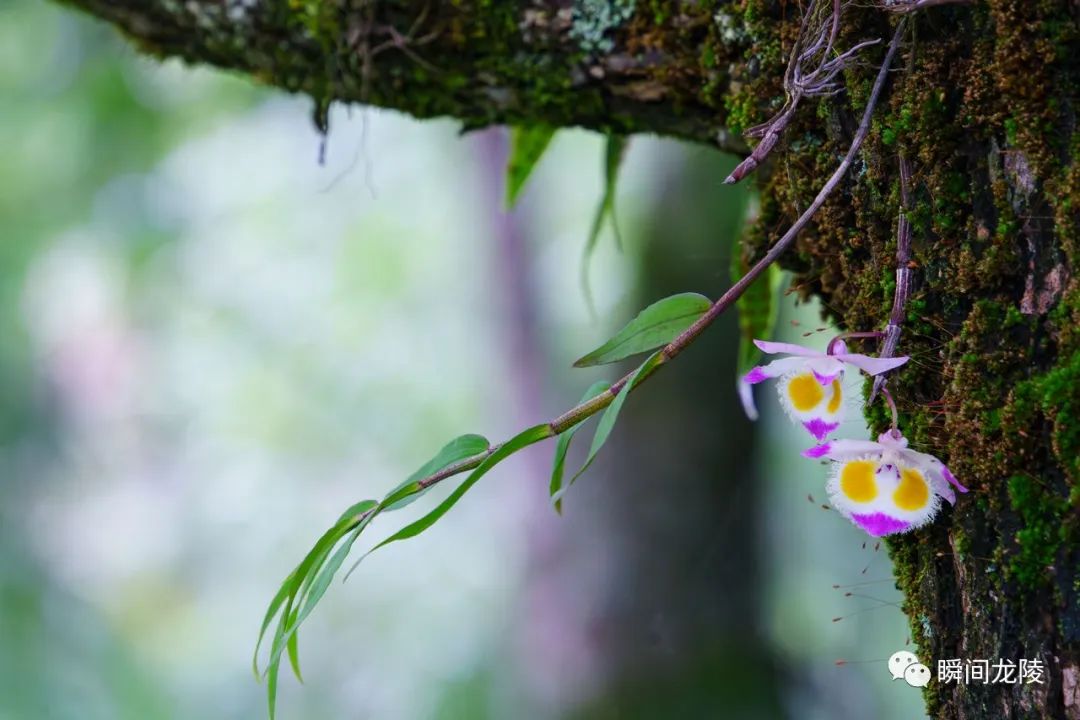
x=680, y=624
x=982, y=102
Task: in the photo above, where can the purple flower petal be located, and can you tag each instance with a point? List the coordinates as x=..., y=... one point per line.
x=878, y=524
x=772, y=348
x=755, y=376
x=819, y=428
x=850, y=449
x=952, y=479
x=825, y=380
x=871, y=365
x=817, y=451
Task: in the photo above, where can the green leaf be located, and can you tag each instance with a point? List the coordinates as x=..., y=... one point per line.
x=458, y=449
x=656, y=325
x=271, y=612
x=614, y=152
x=354, y=513
x=527, y=146
x=275, y=664
x=299, y=581
x=326, y=575
x=757, y=307
x=607, y=420
x=306, y=582
x=287, y=593
x=355, y=519
x=293, y=646
x=558, y=466
x=528, y=437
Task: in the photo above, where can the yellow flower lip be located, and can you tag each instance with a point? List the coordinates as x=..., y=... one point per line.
x=857, y=481
x=912, y=493
x=805, y=392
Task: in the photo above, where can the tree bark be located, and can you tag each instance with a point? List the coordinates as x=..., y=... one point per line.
x=983, y=103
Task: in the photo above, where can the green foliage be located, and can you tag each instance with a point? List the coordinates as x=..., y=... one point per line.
x=614, y=151
x=523, y=439
x=558, y=465
x=305, y=586
x=656, y=325
x=306, y=582
x=607, y=420
x=527, y=146
x=458, y=449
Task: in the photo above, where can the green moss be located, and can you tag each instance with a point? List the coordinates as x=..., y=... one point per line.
x=1040, y=537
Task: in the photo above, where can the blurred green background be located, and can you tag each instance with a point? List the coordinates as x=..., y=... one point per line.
x=210, y=345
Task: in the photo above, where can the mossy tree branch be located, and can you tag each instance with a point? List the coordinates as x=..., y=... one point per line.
x=481, y=62
x=985, y=110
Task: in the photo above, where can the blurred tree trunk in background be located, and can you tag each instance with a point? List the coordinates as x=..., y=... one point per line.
x=680, y=626
x=983, y=103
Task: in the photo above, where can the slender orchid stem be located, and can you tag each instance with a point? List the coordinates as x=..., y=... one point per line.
x=594, y=405
x=830, y=349
x=892, y=408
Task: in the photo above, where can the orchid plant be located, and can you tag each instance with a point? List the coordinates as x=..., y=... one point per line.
x=810, y=387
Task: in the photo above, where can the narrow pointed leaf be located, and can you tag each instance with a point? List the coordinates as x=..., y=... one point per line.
x=274, y=666
x=293, y=646
x=527, y=146
x=558, y=465
x=353, y=521
x=458, y=449
x=271, y=612
x=607, y=420
x=656, y=325
x=614, y=152
x=310, y=565
x=519, y=441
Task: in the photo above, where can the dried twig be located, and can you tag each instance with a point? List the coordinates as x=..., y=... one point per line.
x=815, y=45
x=365, y=29
x=906, y=6
x=903, y=275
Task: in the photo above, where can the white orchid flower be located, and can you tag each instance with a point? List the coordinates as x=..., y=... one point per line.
x=884, y=487
x=810, y=382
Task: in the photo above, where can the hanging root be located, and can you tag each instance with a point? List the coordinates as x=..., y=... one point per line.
x=813, y=49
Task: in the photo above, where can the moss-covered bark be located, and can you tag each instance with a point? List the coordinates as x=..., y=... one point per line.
x=984, y=106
